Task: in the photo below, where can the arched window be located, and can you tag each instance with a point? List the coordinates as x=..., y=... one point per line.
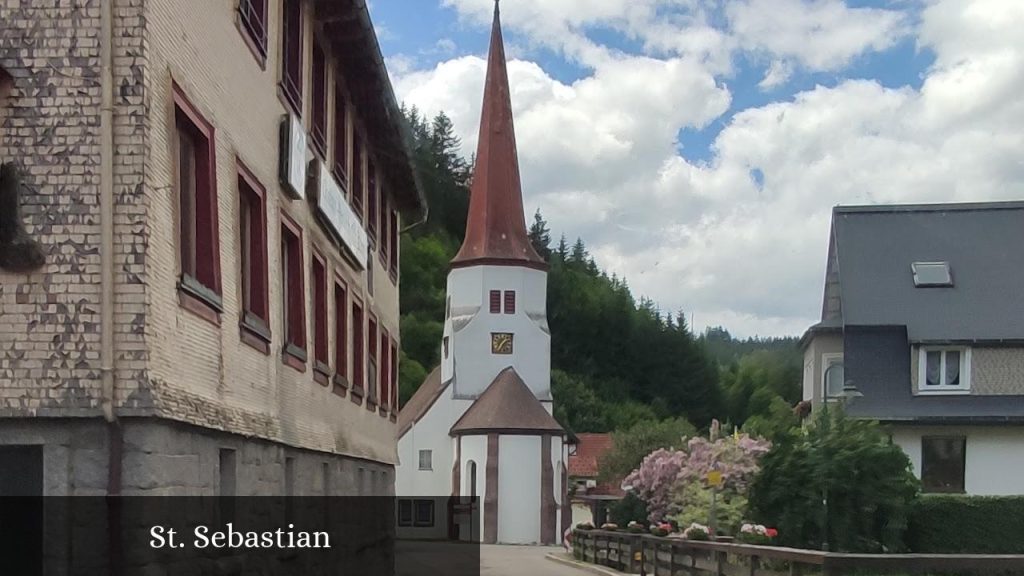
x=471, y=474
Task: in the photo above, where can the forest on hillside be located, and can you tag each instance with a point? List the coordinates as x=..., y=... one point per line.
x=616, y=359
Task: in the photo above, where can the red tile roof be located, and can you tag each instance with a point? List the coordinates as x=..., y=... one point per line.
x=591, y=447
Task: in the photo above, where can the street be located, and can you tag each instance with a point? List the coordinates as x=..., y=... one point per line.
x=446, y=559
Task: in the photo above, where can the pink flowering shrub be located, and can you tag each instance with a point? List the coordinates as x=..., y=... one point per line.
x=673, y=483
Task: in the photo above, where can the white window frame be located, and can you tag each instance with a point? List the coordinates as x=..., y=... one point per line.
x=827, y=360
x=430, y=458
x=965, y=370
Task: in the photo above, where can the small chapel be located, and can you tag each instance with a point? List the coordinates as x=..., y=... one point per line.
x=481, y=423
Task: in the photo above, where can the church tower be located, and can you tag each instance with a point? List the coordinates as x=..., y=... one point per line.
x=481, y=424
x=496, y=313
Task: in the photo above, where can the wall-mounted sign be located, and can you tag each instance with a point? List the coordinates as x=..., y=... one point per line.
x=292, y=171
x=336, y=213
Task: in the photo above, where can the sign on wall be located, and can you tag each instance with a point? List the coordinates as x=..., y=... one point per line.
x=293, y=156
x=335, y=212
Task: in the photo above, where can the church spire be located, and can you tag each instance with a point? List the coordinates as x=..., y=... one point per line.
x=496, y=227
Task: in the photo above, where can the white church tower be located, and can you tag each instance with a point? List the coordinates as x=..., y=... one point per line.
x=481, y=424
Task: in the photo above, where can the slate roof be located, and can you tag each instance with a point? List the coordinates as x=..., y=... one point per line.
x=983, y=244
x=507, y=406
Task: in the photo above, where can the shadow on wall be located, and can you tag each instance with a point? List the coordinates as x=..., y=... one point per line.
x=18, y=252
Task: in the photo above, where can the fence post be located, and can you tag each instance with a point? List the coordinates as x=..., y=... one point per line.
x=719, y=563
x=795, y=568
x=754, y=565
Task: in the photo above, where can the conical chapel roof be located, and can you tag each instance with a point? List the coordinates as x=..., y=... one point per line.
x=496, y=226
x=507, y=406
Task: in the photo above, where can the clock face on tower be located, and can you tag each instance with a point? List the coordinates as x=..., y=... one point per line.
x=501, y=343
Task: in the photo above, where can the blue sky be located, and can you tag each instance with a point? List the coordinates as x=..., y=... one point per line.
x=687, y=139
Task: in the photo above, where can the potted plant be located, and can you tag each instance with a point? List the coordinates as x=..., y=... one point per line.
x=584, y=526
x=661, y=530
x=757, y=534
x=697, y=532
x=610, y=527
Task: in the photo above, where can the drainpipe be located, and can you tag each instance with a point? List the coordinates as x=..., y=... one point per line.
x=107, y=243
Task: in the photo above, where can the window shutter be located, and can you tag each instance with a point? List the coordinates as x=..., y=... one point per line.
x=510, y=302
x=495, y=302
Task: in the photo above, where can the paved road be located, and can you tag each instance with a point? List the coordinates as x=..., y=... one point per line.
x=523, y=561
x=450, y=559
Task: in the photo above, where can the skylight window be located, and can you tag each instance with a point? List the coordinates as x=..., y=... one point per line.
x=928, y=274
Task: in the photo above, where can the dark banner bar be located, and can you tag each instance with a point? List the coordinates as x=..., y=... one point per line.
x=250, y=536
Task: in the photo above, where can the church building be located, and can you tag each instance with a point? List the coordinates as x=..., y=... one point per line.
x=481, y=424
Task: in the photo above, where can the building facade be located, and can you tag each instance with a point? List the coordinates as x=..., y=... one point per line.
x=481, y=424
x=921, y=329
x=216, y=190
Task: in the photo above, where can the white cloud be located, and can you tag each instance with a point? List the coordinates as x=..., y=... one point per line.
x=778, y=73
x=599, y=156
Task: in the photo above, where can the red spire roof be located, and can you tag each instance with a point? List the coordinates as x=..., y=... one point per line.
x=496, y=228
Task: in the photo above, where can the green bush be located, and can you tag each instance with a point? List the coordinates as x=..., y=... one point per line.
x=629, y=509
x=840, y=482
x=957, y=524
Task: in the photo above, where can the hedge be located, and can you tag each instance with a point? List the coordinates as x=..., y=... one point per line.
x=955, y=524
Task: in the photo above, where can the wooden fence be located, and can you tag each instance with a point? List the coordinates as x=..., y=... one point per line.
x=654, y=556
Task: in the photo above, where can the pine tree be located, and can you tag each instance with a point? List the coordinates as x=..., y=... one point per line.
x=540, y=236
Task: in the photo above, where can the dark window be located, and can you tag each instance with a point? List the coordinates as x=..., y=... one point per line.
x=253, y=16
x=444, y=344
x=943, y=461
x=510, y=302
x=319, y=278
x=340, y=330
x=393, y=250
x=385, y=370
x=371, y=205
x=358, y=361
x=426, y=460
x=197, y=203
x=405, y=512
x=227, y=472
x=373, y=379
x=495, y=302
x=289, y=476
x=291, y=71
x=340, y=137
x=385, y=230
x=252, y=246
x=318, y=128
x=424, y=513
x=357, y=176
x=293, y=301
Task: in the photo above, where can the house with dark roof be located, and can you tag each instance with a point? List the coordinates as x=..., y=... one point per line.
x=481, y=426
x=922, y=329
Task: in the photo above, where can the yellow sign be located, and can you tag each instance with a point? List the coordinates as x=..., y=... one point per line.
x=714, y=478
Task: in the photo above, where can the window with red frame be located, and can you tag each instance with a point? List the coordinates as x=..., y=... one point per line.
x=252, y=15
x=385, y=370
x=319, y=280
x=394, y=376
x=340, y=136
x=358, y=345
x=385, y=234
x=510, y=302
x=373, y=379
x=293, y=301
x=371, y=203
x=252, y=246
x=197, y=202
x=495, y=301
x=318, y=122
x=341, y=331
x=393, y=250
x=291, y=70
x=357, y=176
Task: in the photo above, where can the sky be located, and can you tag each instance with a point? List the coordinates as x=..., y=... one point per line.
x=699, y=146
